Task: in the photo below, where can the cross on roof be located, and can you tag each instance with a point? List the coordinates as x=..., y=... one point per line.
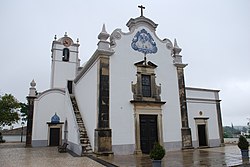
x=142, y=7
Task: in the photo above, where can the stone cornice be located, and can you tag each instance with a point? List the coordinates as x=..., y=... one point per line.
x=204, y=118
x=200, y=100
x=62, y=50
x=132, y=23
x=202, y=89
x=180, y=65
x=40, y=95
x=147, y=102
x=59, y=42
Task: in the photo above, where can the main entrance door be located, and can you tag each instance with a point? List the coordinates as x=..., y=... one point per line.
x=148, y=132
x=202, y=135
x=54, y=136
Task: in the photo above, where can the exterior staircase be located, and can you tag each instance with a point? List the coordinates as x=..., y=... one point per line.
x=84, y=139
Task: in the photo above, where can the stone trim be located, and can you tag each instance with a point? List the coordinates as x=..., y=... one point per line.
x=57, y=90
x=76, y=148
x=125, y=149
x=202, y=121
x=55, y=125
x=199, y=100
x=133, y=23
x=202, y=89
x=221, y=132
x=62, y=50
x=30, y=100
x=185, y=130
x=214, y=142
x=173, y=146
x=91, y=61
x=103, y=133
x=141, y=108
x=146, y=69
x=39, y=143
x=203, y=118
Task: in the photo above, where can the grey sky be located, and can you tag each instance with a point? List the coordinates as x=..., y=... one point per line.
x=214, y=36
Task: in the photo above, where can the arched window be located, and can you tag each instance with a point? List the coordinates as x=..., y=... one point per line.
x=65, y=54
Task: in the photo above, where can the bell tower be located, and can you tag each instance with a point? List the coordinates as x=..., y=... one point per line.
x=65, y=61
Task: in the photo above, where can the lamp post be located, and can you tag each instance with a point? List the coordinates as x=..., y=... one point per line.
x=22, y=132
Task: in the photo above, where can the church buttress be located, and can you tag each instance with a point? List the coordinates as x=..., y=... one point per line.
x=185, y=130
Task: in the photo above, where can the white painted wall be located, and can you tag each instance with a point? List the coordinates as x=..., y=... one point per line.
x=201, y=93
x=123, y=72
x=46, y=105
x=86, y=97
x=64, y=71
x=73, y=132
x=208, y=109
x=61, y=71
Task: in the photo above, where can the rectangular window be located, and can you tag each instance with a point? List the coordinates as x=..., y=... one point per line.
x=146, y=85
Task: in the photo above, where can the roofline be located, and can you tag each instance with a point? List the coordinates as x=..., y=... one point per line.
x=202, y=89
x=91, y=61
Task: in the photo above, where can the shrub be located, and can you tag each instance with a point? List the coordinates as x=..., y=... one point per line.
x=158, y=152
x=243, y=144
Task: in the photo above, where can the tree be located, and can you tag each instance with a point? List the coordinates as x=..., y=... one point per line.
x=8, y=110
x=24, y=111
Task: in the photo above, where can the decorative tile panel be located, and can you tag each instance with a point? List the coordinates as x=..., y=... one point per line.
x=55, y=119
x=143, y=42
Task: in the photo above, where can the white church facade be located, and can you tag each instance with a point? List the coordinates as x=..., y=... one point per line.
x=130, y=94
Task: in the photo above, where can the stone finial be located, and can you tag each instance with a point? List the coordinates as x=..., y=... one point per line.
x=103, y=36
x=103, y=44
x=176, y=55
x=33, y=83
x=77, y=40
x=65, y=34
x=55, y=37
x=32, y=91
x=176, y=49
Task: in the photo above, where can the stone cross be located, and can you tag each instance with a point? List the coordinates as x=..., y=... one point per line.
x=142, y=7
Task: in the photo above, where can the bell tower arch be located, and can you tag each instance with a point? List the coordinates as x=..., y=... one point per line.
x=64, y=61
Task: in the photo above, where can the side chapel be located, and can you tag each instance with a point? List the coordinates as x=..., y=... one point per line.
x=130, y=94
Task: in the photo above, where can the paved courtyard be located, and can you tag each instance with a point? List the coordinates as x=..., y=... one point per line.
x=15, y=154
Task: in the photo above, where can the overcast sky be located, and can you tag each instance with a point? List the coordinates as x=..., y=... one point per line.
x=214, y=36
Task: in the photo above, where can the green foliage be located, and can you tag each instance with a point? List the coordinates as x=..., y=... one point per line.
x=243, y=144
x=230, y=132
x=8, y=106
x=24, y=111
x=158, y=152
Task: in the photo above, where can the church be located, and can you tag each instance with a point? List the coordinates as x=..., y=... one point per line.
x=130, y=94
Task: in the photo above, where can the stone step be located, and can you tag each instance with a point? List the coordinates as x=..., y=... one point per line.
x=86, y=146
x=84, y=141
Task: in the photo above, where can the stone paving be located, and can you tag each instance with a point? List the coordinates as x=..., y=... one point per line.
x=221, y=156
x=15, y=154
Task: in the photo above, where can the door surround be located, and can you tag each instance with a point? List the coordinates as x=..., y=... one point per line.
x=55, y=125
x=202, y=121
x=147, y=108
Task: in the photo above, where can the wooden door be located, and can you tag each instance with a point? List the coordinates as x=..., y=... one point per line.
x=148, y=132
x=54, y=137
x=202, y=135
